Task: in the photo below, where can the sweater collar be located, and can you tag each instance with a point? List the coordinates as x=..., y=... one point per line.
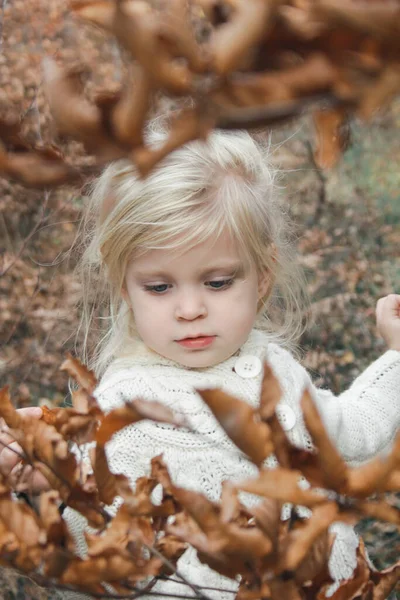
x=140, y=354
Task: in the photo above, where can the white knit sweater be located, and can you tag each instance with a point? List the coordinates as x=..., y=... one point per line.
x=362, y=422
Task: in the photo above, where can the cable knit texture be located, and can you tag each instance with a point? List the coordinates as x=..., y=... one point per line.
x=362, y=422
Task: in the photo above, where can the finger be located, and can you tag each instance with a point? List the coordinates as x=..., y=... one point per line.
x=6, y=438
x=18, y=476
x=10, y=456
x=394, y=303
x=388, y=304
x=29, y=412
x=379, y=305
x=391, y=306
x=33, y=412
x=6, y=435
x=38, y=483
x=3, y=426
x=27, y=479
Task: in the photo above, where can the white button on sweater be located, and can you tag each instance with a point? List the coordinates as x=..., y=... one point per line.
x=248, y=366
x=286, y=416
x=362, y=421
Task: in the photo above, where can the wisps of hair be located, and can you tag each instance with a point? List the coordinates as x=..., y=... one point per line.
x=195, y=194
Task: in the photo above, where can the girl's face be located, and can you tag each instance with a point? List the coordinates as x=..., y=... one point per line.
x=205, y=291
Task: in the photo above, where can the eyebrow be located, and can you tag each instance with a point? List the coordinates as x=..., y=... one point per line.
x=236, y=268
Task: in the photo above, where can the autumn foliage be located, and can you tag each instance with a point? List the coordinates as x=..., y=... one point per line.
x=144, y=540
x=229, y=63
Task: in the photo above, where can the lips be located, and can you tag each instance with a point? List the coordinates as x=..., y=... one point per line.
x=197, y=342
x=194, y=337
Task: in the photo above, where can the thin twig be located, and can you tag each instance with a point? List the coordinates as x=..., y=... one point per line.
x=322, y=179
x=274, y=114
x=17, y=323
x=203, y=587
x=137, y=594
x=171, y=566
x=30, y=235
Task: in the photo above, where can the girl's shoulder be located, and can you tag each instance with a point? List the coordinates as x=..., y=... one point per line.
x=284, y=363
x=260, y=343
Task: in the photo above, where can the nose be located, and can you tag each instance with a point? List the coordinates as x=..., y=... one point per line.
x=190, y=306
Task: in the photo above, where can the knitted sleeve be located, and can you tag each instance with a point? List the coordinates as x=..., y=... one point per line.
x=364, y=420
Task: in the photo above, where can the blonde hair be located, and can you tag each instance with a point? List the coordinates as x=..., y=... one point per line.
x=197, y=192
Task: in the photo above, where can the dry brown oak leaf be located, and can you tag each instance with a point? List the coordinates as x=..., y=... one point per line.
x=79, y=422
x=241, y=423
x=132, y=412
x=380, y=18
x=22, y=536
x=225, y=546
x=332, y=136
x=283, y=485
x=270, y=395
x=305, y=548
x=112, y=567
x=377, y=476
x=301, y=547
x=46, y=450
x=249, y=21
x=72, y=424
x=366, y=583
x=119, y=553
x=33, y=165
x=39, y=168
x=43, y=446
x=109, y=485
x=84, y=377
x=74, y=115
x=157, y=39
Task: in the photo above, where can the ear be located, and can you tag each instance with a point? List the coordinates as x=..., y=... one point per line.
x=125, y=295
x=266, y=280
x=265, y=284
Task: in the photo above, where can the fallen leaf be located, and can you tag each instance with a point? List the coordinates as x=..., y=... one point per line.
x=239, y=421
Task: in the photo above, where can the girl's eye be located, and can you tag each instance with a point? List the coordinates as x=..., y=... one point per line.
x=157, y=289
x=219, y=285
x=161, y=288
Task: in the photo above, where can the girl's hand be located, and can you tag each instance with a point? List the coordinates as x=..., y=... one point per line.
x=20, y=476
x=388, y=320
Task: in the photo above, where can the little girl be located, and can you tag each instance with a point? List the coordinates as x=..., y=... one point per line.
x=195, y=270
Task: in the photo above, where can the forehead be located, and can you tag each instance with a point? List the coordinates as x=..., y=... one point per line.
x=221, y=252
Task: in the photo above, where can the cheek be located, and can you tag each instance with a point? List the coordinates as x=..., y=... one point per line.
x=241, y=308
x=148, y=311
x=145, y=319
x=245, y=298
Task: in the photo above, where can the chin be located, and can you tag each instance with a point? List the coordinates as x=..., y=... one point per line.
x=200, y=362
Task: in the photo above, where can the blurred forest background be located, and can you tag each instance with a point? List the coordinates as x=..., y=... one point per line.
x=347, y=224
